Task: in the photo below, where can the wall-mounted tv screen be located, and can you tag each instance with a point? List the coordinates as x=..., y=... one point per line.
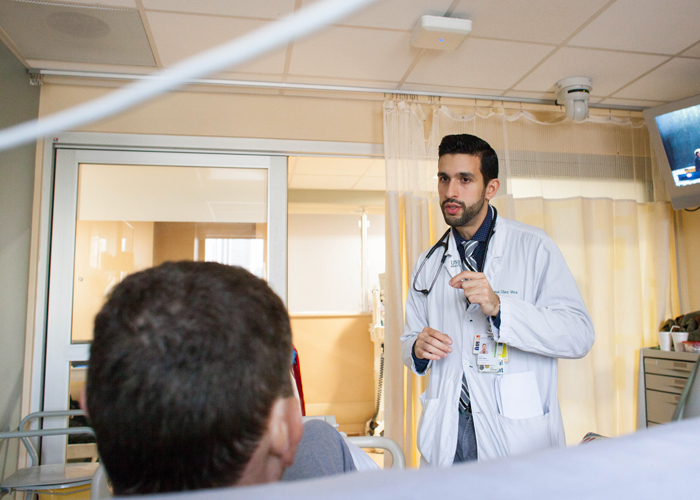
x=675, y=135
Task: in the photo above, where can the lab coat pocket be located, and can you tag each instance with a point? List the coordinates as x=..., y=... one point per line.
x=526, y=435
x=427, y=427
x=526, y=427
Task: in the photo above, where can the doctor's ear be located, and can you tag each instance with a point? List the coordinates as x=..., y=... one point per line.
x=492, y=188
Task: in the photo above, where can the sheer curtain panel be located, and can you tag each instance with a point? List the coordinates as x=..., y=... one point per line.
x=594, y=188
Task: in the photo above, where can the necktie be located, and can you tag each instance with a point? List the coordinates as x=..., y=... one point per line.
x=464, y=401
x=470, y=261
x=469, y=264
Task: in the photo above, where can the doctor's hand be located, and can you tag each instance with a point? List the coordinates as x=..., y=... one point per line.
x=478, y=290
x=431, y=344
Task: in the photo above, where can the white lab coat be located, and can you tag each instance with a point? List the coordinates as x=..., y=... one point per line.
x=542, y=318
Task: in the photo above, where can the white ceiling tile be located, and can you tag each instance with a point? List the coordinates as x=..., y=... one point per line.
x=636, y=24
x=266, y=9
x=486, y=64
x=178, y=36
x=674, y=80
x=323, y=182
x=547, y=21
x=371, y=184
x=76, y=33
x=397, y=14
x=693, y=51
x=609, y=70
x=354, y=53
x=632, y=102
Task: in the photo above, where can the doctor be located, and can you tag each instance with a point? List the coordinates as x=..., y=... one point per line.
x=490, y=289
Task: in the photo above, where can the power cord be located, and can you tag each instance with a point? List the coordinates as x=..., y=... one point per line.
x=380, y=383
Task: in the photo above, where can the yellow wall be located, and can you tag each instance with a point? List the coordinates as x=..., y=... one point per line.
x=691, y=246
x=225, y=114
x=173, y=241
x=337, y=368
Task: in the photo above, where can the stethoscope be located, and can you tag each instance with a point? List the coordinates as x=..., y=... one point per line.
x=443, y=243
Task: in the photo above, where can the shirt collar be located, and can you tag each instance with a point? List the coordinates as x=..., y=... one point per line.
x=481, y=234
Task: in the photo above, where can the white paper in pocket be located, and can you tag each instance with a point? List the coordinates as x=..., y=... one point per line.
x=518, y=395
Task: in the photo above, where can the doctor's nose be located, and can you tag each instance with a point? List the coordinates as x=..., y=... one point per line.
x=452, y=189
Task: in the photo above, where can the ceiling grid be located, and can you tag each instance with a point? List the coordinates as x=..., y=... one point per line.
x=638, y=53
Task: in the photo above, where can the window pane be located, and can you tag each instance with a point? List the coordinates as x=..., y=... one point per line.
x=324, y=263
x=246, y=253
x=134, y=217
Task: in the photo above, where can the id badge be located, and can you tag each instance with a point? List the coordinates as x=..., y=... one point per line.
x=488, y=358
x=502, y=351
x=494, y=368
x=487, y=354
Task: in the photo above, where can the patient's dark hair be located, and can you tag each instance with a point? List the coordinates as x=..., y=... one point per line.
x=467, y=144
x=187, y=361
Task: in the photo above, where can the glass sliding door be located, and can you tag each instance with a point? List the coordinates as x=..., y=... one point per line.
x=116, y=213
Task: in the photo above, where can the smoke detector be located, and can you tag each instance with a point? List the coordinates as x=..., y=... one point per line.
x=574, y=92
x=440, y=33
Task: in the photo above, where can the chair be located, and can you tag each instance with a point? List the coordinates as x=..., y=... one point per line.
x=42, y=478
x=99, y=488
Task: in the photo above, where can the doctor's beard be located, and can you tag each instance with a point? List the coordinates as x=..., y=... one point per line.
x=468, y=212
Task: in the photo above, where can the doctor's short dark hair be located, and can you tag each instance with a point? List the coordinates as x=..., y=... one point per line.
x=187, y=361
x=468, y=144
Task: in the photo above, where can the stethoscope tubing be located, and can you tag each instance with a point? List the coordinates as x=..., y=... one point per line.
x=443, y=242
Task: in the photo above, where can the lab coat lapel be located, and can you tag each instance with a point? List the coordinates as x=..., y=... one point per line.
x=495, y=250
x=452, y=264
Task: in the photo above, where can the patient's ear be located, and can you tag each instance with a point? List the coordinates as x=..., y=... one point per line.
x=285, y=429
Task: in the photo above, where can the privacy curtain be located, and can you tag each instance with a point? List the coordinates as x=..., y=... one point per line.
x=593, y=187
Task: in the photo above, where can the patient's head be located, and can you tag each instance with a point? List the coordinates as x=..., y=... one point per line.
x=188, y=384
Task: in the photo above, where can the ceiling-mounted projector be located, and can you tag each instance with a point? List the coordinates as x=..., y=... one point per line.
x=440, y=33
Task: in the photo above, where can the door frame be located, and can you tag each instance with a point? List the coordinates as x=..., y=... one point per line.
x=37, y=329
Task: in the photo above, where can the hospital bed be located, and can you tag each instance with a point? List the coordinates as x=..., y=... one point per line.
x=659, y=462
x=654, y=463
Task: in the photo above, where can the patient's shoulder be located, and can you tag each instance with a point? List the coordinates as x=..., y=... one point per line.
x=322, y=452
